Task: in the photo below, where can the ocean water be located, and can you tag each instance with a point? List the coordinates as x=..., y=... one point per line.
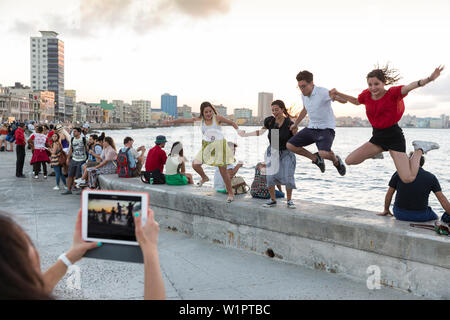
x=364, y=186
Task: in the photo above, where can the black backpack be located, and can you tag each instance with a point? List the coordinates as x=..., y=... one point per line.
x=153, y=177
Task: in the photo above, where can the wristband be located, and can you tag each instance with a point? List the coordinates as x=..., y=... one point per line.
x=418, y=83
x=65, y=260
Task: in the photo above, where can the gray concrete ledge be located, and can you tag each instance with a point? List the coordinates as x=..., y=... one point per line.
x=330, y=238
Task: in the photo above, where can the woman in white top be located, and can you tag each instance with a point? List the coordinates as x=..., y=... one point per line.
x=215, y=151
x=175, y=168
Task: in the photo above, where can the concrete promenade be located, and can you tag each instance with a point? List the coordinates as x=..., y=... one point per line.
x=192, y=268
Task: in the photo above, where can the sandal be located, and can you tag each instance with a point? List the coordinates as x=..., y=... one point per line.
x=230, y=199
x=200, y=183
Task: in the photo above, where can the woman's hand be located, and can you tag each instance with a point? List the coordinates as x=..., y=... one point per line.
x=146, y=236
x=79, y=246
x=241, y=133
x=436, y=73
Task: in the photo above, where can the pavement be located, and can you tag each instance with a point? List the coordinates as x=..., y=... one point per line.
x=193, y=269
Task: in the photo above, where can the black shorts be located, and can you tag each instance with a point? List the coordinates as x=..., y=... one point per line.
x=323, y=138
x=391, y=138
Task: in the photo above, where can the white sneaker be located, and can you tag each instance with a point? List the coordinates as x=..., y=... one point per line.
x=291, y=205
x=45, y=177
x=56, y=188
x=36, y=177
x=425, y=146
x=80, y=181
x=65, y=188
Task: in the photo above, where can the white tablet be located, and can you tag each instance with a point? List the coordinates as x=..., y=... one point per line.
x=108, y=216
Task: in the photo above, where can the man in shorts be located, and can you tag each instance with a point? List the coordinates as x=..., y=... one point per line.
x=76, y=158
x=320, y=130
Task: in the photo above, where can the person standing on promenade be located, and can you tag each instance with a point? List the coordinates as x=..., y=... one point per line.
x=56, y=150
x=215, y=150
x=40, y=157
x=280, y=162
x=411, y=201
x=384, y=109
x=21, y=277
x=76, y=158
x=320, y=130
x=19, y=135
x=10, y=137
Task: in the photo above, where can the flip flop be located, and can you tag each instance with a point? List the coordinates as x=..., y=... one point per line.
x=229, y=199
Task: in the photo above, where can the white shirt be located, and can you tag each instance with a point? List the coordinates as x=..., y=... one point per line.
x=219, y=184
x=318, y=106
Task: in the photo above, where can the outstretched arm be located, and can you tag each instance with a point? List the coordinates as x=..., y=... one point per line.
x=301, y=116
x=254, y=133
x=192, y=120
x=335, y=97
x=443, y=201
x=339, y=96
x=387, y=203
x=422, y=82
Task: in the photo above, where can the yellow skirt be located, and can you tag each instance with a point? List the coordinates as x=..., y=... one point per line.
x=215, y=153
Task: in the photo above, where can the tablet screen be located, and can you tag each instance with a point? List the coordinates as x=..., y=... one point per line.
x=110, y=216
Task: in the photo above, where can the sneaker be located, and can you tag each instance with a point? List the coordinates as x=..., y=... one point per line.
x=378, y=156
x=425, y=146
x=65, y=188
x=319, y=162
x=270, y=203
x=45, y=177
x=340, y=166
x=290, y=204
x=56, y=188
x=36, y=177
x=67, y=192
x=79, y=180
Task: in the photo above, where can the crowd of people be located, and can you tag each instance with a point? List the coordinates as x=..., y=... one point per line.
x=82, y=159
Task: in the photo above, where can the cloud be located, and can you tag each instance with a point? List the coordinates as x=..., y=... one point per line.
x=141, y=16
x=439, y=89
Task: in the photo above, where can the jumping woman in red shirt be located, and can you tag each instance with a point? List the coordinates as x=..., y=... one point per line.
x=384, y=108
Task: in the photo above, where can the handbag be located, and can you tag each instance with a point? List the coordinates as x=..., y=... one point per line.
x=239, y=186
x=62, y=158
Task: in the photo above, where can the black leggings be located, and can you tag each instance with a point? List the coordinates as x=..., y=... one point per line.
x=37, y=167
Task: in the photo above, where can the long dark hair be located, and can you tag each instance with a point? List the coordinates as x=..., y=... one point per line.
x=180, y=153
x=385, y=74
x=110, y=142
x=203, y=106
x=19, y=280
x=281, y=104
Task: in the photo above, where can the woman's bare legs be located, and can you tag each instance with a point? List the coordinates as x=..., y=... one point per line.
x=407, y=168
x=366, y=151
x=198, y=168
x=227, y=180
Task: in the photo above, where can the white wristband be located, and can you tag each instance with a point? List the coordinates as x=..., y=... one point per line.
x=65, y=260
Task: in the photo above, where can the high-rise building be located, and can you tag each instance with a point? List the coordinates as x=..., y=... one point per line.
x=144, y=109
x=70, y=105
x=47, y=67
x=169, y=105
x=265, y=100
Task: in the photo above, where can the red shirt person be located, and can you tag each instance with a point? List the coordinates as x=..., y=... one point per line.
x=156, y=157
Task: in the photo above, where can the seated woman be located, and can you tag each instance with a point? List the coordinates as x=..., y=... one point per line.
x=175, y=169
x=107, y=164
x=219, y=184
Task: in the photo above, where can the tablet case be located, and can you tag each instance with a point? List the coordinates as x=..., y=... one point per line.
x=116, y=252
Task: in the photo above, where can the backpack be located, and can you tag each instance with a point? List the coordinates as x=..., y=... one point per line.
x=239, y=186
x=259, y=187
x=123, y=164
x=153, y=177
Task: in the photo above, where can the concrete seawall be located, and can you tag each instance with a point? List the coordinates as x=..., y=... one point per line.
x=335, y=239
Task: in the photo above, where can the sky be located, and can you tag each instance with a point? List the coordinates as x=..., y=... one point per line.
x=226, y=51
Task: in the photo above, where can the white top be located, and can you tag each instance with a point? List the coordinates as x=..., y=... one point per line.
x=318, y=106
x=218, y=181
x=39, y=140
x=172, y=163
x=212, y=132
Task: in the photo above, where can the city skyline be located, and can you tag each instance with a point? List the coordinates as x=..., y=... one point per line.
x=119, y=61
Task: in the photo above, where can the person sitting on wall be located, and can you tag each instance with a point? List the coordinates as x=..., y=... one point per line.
x=411, y=201
x=156, y=159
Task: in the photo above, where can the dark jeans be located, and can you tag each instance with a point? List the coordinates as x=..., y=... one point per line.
x=37, y=167
x=415, y=216
x=20, y=153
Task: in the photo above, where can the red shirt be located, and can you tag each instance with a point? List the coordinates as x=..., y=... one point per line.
x=156, y=159
x=49, y=137
x=20, y=137
x=386, y=111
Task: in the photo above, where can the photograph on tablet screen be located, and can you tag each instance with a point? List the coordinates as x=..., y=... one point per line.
x=111, y=216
